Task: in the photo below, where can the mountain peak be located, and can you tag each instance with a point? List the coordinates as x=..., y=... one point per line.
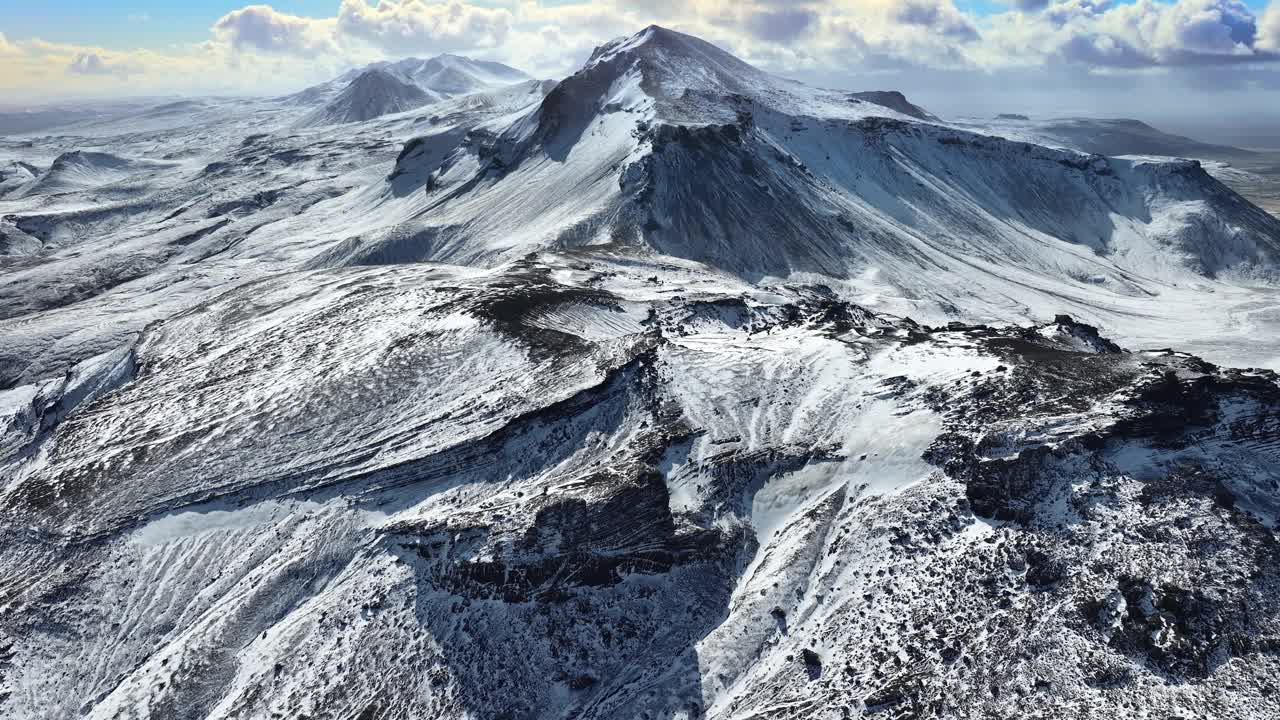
x=373, y=75
x=406, y=83
x=373, y=93
x=655, y=41
x=675, y=70
x=680, y=79
x=658, y=33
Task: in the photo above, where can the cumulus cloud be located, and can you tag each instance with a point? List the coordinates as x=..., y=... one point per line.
x=781, y=25
x=34, y=68
x=417, y=26
x=941, y=17
x=91, y=63
x=257, y=45
x=1143, y=34
x=1269, y=28
x=263, y=28
x=786, y=35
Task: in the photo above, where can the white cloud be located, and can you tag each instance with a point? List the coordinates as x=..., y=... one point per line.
x=423, y=28
x=258, y=48
x=91, y=63
x=941, y=17
x=1143, y=34
x=263, y=28
x=1269, y=28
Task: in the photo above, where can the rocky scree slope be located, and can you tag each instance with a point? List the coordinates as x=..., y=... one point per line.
x=585, y=485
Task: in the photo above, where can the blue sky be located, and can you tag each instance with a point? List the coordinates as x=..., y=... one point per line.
x=146, y=23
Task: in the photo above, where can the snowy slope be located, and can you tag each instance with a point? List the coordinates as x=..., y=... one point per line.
x=895, y=100
x=244, y=195
x=453, y=75
x=1109, y=136
x=15, y=174
x=585, y=485
x=373, y=93
x=665, y=143
x=80, y=170
x=598, y=399
x=383, y=88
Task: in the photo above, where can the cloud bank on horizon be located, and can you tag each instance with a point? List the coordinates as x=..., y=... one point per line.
x=257, y=48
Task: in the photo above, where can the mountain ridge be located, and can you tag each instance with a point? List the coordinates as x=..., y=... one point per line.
x=843, y=182
x=387, y=87
x=371, y=94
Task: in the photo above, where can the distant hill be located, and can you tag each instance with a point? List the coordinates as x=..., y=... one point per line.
x=390, y=87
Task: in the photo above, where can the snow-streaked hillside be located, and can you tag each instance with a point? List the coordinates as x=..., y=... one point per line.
x=664, y=143
x=453, y=75
x=1109, y=136
x=373, y=93
x=384, y=88
x=238, y=199
x=594, y=486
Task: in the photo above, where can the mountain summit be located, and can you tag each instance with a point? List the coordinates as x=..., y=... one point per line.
x=684, y=79
x=666, y=143
x=373, y=93
x=390, y=87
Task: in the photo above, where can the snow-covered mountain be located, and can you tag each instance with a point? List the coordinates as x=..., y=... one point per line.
x=453, y=75
x=1111, y=136
x=78, y=170
x=373, y=93
x=391, y=87
x=666, y=143
x=599, y=399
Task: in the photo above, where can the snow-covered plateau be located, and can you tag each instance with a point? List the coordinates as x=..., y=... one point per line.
x=671, y=390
